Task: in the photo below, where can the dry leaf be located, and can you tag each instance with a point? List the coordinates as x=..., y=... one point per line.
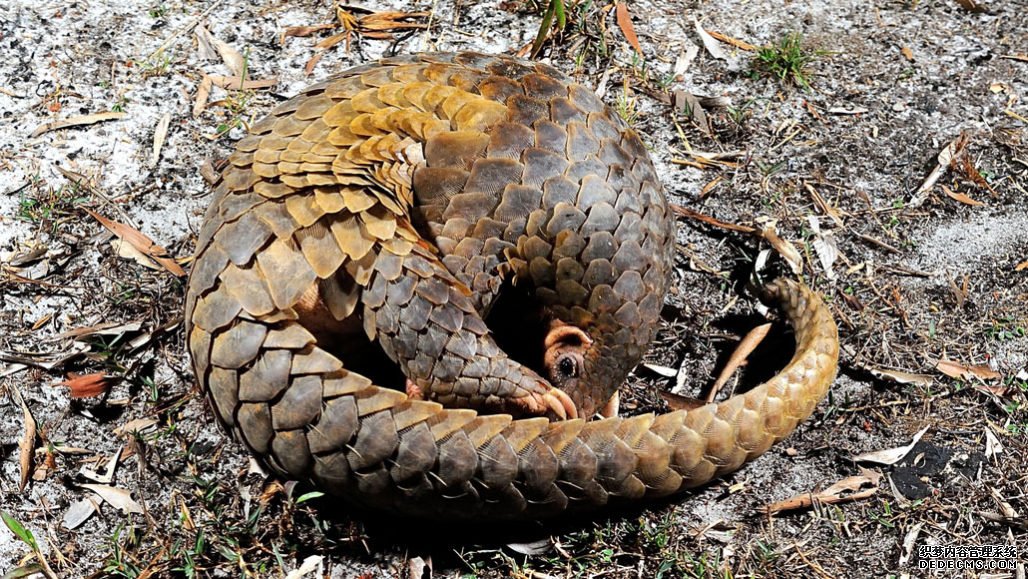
x=1021, y=266
x=846, y=490
x=740, y=44
x=140, y=242
x=78, y=513
x=108, y=470
x=126, y=250
x=679, y=402
x=908, y=544
x=238, y=83
x=103, y=329
x=137, y=425
x=230, y=56
x=907, y=53
x=957, y=196
x=203, y=92
x=710, y=43
x=118, y=498
x=77, y=122
x=746, y=346
x=661, y=370
x=943, y=160
x=900, y=377
x=205, y=43
x=784, y=248
x=993, y=446
x=683, y=100
x=625, y=24
x=300, y=31
x=26, y=445
x=686, y=212
x=86, y=385
x=685, y=59
x=533, y=548
x=160, y=133
x=972, y=6
x=890, y=455
x=848, y=111
x=310, y=565
x=961, y=372
x=416, y=568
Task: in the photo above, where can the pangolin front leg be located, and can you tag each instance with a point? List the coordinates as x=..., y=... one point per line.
x=425, y=320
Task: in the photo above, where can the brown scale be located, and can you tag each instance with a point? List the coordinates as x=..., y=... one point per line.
x=446, y=230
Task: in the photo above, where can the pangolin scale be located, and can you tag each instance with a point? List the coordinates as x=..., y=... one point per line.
x=357, y=240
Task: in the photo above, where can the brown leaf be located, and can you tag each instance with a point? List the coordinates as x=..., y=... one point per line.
x=1021, y=266
x=77, y=121
x=686, y=212
x=625, y=24
x=140, y=242
x=962, y=372
x=238, y=83
x=679, y=402
x=787, y=250
x=972, y=6
x=907, y=53
x=203, y=92
x=957, y=196
x=740, y=44
x=746, y=346
x=711, y=185
x=846, y=490
x=86, y=385
x=26, y=445
x=306, y=30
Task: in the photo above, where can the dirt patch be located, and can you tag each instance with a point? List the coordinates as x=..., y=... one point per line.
x=834, y=165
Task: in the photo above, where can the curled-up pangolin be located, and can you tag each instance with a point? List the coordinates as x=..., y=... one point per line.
x=359, y=238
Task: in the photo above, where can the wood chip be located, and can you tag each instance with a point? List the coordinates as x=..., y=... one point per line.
x=77, y=122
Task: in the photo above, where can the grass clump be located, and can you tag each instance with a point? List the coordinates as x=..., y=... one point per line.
x=788, y=60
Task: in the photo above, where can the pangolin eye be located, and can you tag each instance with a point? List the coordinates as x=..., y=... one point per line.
x=567, y=367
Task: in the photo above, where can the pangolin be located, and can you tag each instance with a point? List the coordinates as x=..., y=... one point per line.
x=357, y=242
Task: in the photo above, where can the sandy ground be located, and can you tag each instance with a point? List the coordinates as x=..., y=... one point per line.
x=836, y=167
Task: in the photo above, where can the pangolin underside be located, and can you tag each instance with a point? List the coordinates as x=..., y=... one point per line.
x=359, y=237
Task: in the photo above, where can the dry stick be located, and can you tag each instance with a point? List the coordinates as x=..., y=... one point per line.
x=80, y=180
x=184, y=29
x=686, y=212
